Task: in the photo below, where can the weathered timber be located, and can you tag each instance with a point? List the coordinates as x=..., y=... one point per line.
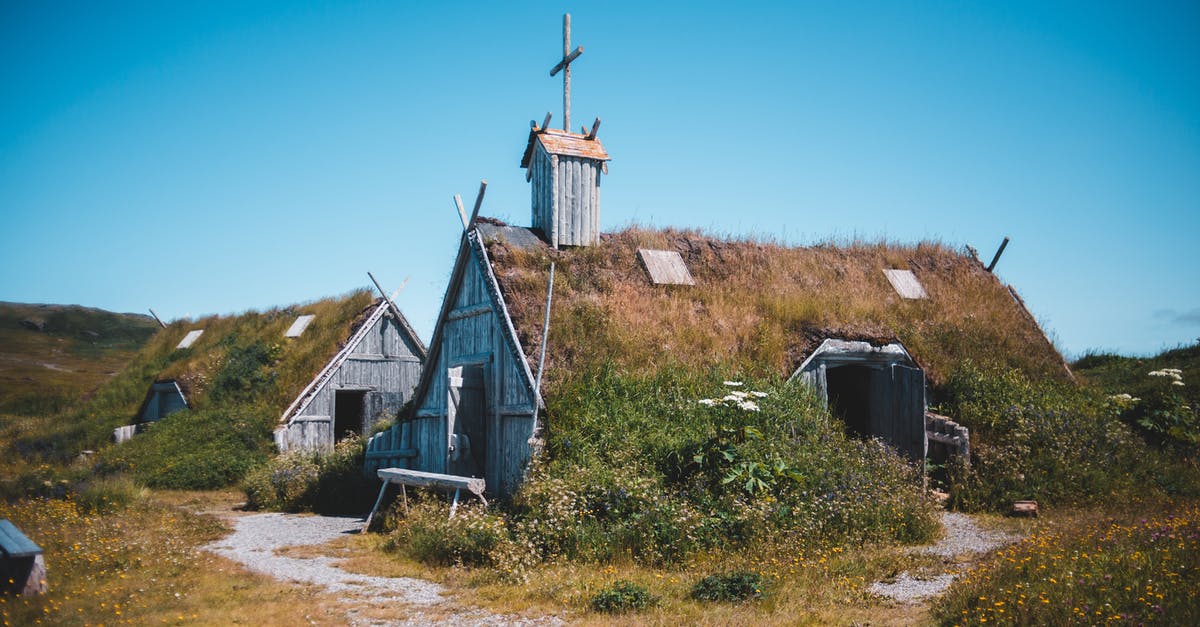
x=905, y=283
x=999, y=251
x=22, y=566
x=371, y=377
x=157, y=319
x=665, y=267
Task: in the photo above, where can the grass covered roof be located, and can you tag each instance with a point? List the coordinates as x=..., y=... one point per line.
x=757, y=307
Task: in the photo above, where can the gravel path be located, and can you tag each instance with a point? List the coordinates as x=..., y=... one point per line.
x=257, y=537
x=962, y=537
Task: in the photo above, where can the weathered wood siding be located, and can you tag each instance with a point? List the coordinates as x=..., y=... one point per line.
x=566, y=198
x=385, y=364
x=474, y=332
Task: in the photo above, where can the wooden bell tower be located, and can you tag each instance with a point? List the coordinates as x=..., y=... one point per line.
x=565, y=168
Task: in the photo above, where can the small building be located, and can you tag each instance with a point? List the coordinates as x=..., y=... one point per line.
x=878, y=390
x=330, y=368
x=370, y=378
x=564, y=170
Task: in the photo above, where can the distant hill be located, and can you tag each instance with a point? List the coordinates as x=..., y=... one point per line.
x=52, y=355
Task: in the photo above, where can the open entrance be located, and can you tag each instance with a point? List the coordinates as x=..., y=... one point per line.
x=467, y=420
x=348, y=413
x=877, y=390
x=849, y=389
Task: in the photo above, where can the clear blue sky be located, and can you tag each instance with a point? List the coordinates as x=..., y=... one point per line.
x=213, y=157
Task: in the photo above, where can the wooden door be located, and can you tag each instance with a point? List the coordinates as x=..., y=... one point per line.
x=908, y=411
x=466, y=421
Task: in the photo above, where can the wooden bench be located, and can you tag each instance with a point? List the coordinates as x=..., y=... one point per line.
x=22, y=567
x=420, y=479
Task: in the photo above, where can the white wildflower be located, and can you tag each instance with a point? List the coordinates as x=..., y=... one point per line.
x=748, y=405
x=708, y=402
x=732, y=384
x=735, y=396
x=1177, y=383
x=1121, y=397
x=1174, y=373
x=760, y=394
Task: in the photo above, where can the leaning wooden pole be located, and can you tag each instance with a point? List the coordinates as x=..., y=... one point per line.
x=537, y=383
x=999, y=251
x=157, y=319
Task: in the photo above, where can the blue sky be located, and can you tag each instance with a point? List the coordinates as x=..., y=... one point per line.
x=214, y=157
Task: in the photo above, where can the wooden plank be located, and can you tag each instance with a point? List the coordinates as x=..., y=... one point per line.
x=14, y=543
x=417, y=478
x=905, y=283
x=665, y=267
x=190, y=338
x=403, y=452
x=470, y=311
x=298, y=327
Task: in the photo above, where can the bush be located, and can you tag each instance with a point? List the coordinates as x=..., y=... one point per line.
x=621, y=597
x=732, y=587
x=473, y=537
x=326, y=483
x=108, y=494
x=1052, y=442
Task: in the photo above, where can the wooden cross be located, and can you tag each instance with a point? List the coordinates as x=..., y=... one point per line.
x=565, y=66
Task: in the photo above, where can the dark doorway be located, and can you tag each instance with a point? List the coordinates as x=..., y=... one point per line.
x=849, y=390
x=885, y=401
x=348, y=406
x=467, y=420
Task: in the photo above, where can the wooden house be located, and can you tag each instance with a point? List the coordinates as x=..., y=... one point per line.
x=372, y=376
x=330, y=367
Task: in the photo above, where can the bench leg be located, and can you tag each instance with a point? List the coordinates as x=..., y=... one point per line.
x=379, y=500
x=454, y=505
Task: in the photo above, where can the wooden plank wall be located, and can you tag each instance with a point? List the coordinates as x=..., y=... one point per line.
x=385, y=363
x=474, y=333
x=566, y=198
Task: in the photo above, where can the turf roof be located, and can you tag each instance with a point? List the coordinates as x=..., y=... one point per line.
x=757, y=307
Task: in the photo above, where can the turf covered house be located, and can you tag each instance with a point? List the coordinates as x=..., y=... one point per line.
x=866, y=325
x=329, y=368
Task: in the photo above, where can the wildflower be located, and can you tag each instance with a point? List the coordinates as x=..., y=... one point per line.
x=732, y=384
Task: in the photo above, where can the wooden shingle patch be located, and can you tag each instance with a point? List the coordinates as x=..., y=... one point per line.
x=299, y=325
x=665, y=267
x=190, y=338
x=906, y=284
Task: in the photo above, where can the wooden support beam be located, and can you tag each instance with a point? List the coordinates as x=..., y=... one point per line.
x=156, y=318
x=567, y=59
x=595, y=127
x=462, y=214
x=478, y=203
x=390, y=299
x=546, y=122
x=999, y=251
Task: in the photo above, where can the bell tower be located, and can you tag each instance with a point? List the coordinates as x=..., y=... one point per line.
x=565, y=168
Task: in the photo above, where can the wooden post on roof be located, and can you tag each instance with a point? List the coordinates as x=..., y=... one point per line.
x=999, y=251
x=565, y=66
x=156, y=318
x=390, y=299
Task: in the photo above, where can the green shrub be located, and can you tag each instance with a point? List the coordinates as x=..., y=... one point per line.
x=1052, y=442
x=623, y=596
x=700, y=465
x=323, y=482
x=732, y=587
x=474, y=537
x=108, y=494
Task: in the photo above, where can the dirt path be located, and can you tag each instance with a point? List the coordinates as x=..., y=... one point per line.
x=368, y=600
x=962, y=538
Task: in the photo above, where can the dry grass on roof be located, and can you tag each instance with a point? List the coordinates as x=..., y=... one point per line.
x=760, y=307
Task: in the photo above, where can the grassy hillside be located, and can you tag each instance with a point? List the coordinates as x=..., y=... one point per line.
x=1158, y=395
x=52, y=356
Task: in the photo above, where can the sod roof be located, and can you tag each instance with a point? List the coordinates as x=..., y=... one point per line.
x=757, y=307
x=295, y=360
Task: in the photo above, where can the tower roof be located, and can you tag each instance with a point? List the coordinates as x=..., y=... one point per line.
x=558, y=142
